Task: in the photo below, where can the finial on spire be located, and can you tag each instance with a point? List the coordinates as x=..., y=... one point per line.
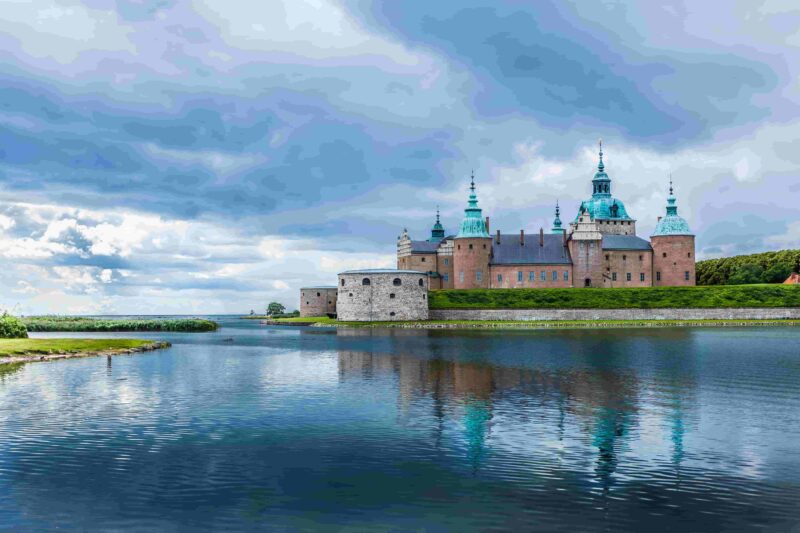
x=437, y=213
x=472, y=181
x=600, y=165
x=558, y=209
x=670, y=184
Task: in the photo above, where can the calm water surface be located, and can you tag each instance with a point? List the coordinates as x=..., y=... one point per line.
x=257, y=428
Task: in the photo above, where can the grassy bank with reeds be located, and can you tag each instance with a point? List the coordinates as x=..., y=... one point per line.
x=86, y=324
x=22, y=350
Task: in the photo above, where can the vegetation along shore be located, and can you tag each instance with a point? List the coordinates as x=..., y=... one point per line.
x=26, y=350
x=72, y=323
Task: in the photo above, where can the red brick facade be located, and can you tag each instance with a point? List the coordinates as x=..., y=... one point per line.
x=673, y=261
x=530, y=276
x=471, y=258
x=627, y=268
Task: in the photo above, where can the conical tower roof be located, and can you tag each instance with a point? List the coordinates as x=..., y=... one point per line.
x=473, y=224
x=672, y=224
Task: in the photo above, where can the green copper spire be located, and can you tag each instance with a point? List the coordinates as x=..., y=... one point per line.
x=437, y=232
x=601, y=183
x=557, y=222
x=672, y=224
x=473, y=224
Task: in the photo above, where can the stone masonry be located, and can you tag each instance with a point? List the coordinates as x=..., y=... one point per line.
x=382, y=295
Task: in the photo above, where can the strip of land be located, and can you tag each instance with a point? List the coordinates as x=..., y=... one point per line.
x=77, y=323
x=712, y=297
x=530, y=324
x=26, y=350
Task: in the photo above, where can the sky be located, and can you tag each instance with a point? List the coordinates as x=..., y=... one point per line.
x=189, y=157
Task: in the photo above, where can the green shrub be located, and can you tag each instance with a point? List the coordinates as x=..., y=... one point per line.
x=12, y=328
x=67, y=323
x=633, y=298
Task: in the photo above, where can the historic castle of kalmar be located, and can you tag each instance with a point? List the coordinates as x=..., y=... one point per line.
x=599, y=248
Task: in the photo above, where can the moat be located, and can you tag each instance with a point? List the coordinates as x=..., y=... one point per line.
x=304, y=429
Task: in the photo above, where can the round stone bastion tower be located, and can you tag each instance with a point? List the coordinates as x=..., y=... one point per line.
x=382, y=295
x=318, y=301
x=472, y=249
x=673, y=248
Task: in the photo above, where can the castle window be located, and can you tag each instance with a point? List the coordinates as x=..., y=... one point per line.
x=555, y=275
x=396, y=282
x=665, y=254
x=365, y=281
x=329, y=302
x=519, y=275
x=478, y=275
x=607, y=257
x=459, y=246
x=391, y=314
x=628, y=276
x=543, y=275
x=531, y=276
x=461, y=277
x=423, y=259
x=470, y=247
x=658, y=276
x=391, y=296
x=641, y=276
x=317, y=294
x=613, y=276
x=641, y=258
x=445, y=277
x=446, y=261
x=689, y=254
x=686, y=275
x=484, y=246
x=566, y=275
x=499, y=278
x=421, y=283
x=306, y=303
x=624, y=257
x=424, y=296
x=351, y=295
x=342, y=283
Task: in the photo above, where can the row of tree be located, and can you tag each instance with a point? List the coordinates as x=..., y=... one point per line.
x=767, y=267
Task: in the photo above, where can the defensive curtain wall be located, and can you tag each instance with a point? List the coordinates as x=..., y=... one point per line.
x=523, y=315
x=318, y=301
x=382, y=295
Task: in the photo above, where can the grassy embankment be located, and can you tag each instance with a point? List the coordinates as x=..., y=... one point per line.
x=21, y=350
x=720, y=297
x=72, y=323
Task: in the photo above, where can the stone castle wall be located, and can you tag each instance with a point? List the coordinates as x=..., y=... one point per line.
x=673, y=257
x=382, y=296
x=616, y=314
x=317, y=301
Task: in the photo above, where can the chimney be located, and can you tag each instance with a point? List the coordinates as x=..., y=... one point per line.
x=541, y=236
x=522, y=237
x=565, y=238
x=487, y=225
x=498, y=236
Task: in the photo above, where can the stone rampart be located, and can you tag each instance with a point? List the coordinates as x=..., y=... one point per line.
x=382, y=295
x=617, y=314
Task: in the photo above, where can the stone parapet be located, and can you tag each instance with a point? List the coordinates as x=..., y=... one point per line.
x=778, y=313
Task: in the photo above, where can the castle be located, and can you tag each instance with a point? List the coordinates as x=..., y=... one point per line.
x=599, y=249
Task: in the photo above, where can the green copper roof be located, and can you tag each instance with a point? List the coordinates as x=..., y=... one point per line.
x=437, y=231
x=602, y=205
x=557, y=221
x=473, y=224
x=672, y=224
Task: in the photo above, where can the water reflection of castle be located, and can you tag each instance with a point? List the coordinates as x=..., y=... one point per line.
x=599, y=406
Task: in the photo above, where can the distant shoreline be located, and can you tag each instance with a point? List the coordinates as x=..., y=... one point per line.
x=35, y=350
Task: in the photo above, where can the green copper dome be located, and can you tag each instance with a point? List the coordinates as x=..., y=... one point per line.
x=557, y=221
x=602, y=205
x=473, y=224
x=672, y=224
x=437, y=231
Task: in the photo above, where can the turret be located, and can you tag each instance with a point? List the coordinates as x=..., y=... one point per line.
x=437, y=231
x=472, y=247
x=673, y=248
x=557, y=221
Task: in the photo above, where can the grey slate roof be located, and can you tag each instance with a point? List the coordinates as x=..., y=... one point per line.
x=625, y=242
x=424, y=247
x=510, y=252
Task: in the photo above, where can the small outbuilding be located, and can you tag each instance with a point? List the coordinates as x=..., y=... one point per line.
x=382, y=295
x=318, y=301
x=794, y=279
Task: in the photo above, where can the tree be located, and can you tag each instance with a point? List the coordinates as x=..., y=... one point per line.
x=12, y=328
x=275, y=308
x=778, y=273
x=746, y=274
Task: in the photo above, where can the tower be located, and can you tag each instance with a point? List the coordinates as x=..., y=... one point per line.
x=557, y=221
x=673, y=248
x=437, y=231
x=472, y=248
x=586, y=248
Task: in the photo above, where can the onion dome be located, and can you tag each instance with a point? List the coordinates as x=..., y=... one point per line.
x=473, y=224
x=672, y=224
x=602, y=205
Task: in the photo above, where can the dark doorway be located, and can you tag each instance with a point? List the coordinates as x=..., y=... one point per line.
x=587, y=282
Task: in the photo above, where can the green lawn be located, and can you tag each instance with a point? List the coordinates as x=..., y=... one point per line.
x=729, y=296
x=76, y=323
x=11, y=347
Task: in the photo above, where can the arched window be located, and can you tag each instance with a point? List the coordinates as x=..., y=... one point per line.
x=391, y=314
x=396, y=282
x=342, y=283
x=365, y=281
x=421, y=283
